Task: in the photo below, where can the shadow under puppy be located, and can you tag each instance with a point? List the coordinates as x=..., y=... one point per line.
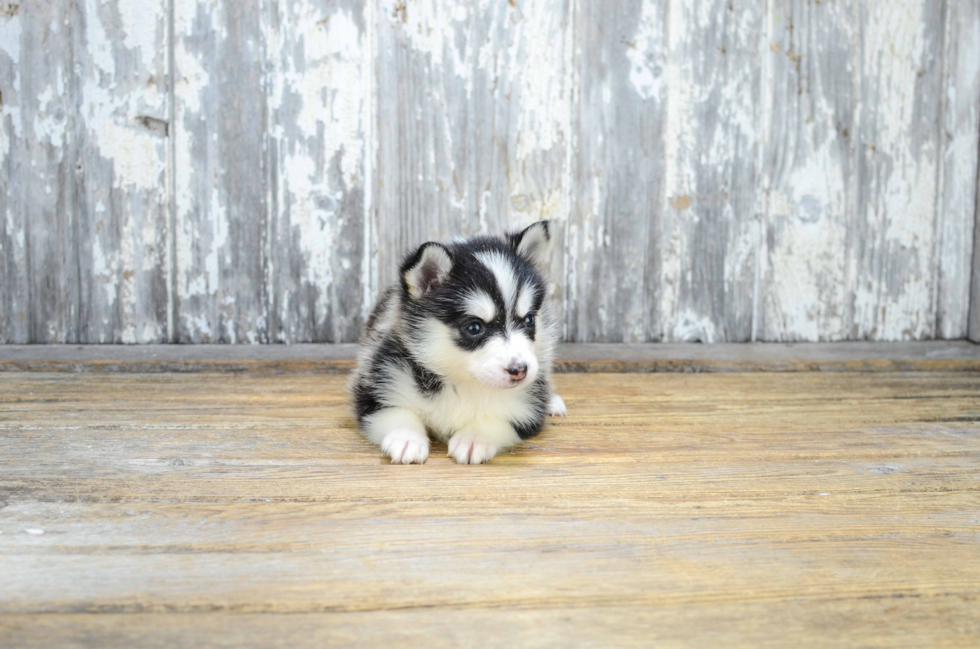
x=461, y=350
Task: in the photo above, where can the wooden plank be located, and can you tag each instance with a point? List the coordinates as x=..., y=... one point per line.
x=896, y=161
x=270, y=196
x=974, y=325
x=878, y=621
x=473, y=124
x=40, y=303
x=319, y=94
x=221, y=172
x=807, y=171
x=15, y=304
x=118, y=194
x=618, y=169
x=751, y=509
x=959, y=356
x=960, y=140
x=710, y=234
x=83, y=238
x=851, y=227
x=292, y=210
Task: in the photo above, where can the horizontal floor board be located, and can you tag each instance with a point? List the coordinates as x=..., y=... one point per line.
x=234, y=509
x=572, y=358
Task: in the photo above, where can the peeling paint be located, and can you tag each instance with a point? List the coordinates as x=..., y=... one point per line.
x=647, y=62
x=958, y=176
x=713, y=170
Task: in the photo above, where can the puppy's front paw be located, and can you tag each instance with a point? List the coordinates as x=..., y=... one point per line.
x=405, y=447
x=467, y=450
x=556, y=406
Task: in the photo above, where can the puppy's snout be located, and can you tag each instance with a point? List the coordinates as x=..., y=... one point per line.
x=517, y=370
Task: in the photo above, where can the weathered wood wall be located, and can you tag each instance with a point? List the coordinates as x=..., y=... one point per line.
x=251, y=171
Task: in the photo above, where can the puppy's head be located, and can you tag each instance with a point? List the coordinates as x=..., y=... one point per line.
x=473, y=307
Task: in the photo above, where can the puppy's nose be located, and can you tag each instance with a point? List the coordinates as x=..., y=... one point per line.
x=517, y=371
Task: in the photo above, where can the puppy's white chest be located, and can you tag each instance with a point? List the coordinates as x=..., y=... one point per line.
x=457, y=408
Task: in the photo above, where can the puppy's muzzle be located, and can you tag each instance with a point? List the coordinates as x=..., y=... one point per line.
x=517, y=371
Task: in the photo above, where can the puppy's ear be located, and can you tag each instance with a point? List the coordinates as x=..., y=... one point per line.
x=427, y=268
x=532, y=243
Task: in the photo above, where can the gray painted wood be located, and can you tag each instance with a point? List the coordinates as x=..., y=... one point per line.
x=40, y=298
x=662, y=233
x=710, y=235
x=21, y=47
x=270, y=193
x=974, y=324
x=618, y=172
x=897, y=156
x=850, y=171
x=806, y=171
x=473, y=134
x=961, y=148
x=715, y=170
x=317, y=64
x=221, y=173
x=83, y=244
x=118, y=209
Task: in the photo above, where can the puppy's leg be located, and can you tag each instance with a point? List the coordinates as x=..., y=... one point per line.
x=478, y=443
x=556, y=406
x=400, y=433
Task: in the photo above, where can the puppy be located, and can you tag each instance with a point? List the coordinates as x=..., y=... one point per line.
x=461, y=350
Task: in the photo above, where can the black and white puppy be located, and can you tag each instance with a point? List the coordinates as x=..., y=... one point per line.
x=460, y=350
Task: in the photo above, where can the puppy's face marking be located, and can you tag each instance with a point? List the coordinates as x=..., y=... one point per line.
x=479, y=323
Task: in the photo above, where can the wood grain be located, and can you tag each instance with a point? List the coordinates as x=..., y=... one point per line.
x=974, y=325
x=960, y=146
x=955, y=356
x=748, y=509
x=221, y=199
x=616, y=223
x=84, y=147
x=39, y=294
x=119, y=201
x=851, y=157
x=192, y=171
x=317, y=59
x=18, y=46
x=710, y=239
x=806, y=174
x=473, y=106
x=897, y=158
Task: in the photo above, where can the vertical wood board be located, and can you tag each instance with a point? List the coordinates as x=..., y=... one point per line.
x=41, y=295
x=893, y=244
x=84, y=148
x=806, y=171
x=473, y=134
x=850, y=171
x=973, y=332
x=709, y=235
x=193, y=171
x=119, y=203
x=960, y=141
x=318, y=92
x=17, y=46
x=221, y=183
x=618, y=171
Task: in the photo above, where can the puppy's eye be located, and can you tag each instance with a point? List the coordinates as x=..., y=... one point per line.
x=528, y=320
x=473, y=329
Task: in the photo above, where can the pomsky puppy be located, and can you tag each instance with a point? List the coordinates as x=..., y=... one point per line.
x=461, y=350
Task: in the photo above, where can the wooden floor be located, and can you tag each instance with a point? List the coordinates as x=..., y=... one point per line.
x=667, y=509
